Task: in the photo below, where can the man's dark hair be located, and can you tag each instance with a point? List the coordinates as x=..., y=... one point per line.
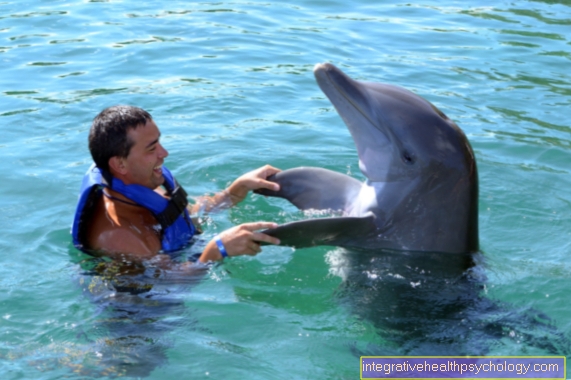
x=108, y=134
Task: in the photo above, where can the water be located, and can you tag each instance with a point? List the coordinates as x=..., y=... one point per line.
x=230, y=85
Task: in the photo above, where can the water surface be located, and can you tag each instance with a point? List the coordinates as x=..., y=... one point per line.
x=230, y=85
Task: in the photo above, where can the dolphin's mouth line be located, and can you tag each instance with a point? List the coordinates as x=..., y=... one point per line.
x=393, y=141
x=343, y=93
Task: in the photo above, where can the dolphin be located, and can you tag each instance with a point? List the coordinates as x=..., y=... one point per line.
x=421, y=187
x=409, y=256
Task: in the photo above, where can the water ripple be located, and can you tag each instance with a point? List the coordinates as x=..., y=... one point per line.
x=231, y=86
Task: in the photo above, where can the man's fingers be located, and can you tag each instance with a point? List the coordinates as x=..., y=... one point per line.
x=270, y=170
x=260, y=237
x=258, y=226
x=263, y=184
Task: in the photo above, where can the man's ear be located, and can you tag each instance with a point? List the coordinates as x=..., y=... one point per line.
x=117, y=165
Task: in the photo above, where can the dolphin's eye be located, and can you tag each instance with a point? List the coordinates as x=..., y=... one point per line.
x=407, y=158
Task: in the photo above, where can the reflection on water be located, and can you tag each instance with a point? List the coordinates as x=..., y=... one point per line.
x=427, y=304
x=135, y=309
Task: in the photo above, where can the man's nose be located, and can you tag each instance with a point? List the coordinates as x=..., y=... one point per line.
x=163, y=153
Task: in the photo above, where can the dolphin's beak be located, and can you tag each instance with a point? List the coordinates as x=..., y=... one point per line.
x=327, y=75
x=320, y=70
x=350, y=99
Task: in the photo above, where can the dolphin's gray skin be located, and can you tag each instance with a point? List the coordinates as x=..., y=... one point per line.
x=422, y=182
x=416, y=216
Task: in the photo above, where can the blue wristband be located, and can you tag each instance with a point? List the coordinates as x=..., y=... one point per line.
x=221, y=247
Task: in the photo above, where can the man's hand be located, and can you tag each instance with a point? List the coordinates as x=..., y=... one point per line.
x=256, y=179
x=240, y=240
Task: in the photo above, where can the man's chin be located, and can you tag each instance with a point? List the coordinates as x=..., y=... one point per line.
x=158, y=180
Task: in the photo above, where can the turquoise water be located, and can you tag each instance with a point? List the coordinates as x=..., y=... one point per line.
x=230, y=84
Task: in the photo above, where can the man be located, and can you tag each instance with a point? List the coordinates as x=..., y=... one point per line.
x=125, y=213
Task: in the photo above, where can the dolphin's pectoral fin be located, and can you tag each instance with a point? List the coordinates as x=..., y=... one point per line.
x=314, y=188
x=319, y=189
x=338, y=231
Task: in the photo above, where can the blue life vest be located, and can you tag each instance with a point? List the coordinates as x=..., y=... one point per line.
x=176, y=227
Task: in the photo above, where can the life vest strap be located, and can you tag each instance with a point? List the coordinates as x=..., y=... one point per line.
x=176, y=206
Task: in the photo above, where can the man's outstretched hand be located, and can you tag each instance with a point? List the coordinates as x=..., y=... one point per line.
x=240, y=240
x=256, y=179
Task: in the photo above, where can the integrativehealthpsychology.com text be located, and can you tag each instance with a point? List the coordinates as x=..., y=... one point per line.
x=462, y=367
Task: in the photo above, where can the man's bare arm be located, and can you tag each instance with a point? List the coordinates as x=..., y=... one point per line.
x=125, y=245
x=237, y=191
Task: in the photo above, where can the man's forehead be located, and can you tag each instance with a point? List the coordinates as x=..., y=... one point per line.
x=145, y=133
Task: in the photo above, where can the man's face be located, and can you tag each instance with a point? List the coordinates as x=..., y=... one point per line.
x=143, y=165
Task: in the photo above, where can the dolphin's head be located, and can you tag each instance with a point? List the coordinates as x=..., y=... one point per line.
x=398, y=135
